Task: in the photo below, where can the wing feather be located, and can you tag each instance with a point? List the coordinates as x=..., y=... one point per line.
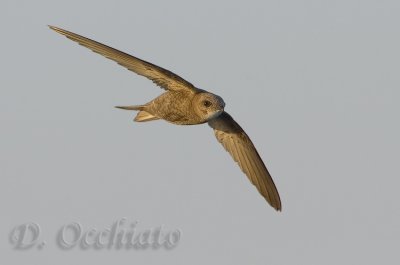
x=160, y=76
x=238, y=144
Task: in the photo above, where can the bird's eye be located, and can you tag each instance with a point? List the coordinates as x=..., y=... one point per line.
x=206, y=103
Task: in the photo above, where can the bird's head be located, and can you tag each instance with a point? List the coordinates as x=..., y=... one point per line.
x=208, y=105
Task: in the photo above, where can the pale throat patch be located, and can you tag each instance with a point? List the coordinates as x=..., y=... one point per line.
x=215, y=114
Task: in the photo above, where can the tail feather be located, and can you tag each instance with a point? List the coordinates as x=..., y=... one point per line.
x=133, y=107
x=145, y=116
x=142, y=114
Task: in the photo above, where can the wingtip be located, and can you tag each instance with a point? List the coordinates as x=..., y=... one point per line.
x=57, y=29
x=278, y=207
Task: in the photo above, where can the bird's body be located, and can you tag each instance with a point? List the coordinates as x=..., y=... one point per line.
x=179, y=107
x=184, y=104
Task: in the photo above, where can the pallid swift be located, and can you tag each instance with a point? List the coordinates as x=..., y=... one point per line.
x=184, y=104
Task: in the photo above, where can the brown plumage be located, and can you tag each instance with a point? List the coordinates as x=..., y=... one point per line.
x=184, y=104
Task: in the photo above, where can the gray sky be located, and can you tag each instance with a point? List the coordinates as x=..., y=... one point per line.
x=314, y=83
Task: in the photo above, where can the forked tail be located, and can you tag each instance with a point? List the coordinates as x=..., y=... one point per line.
x=142, y=114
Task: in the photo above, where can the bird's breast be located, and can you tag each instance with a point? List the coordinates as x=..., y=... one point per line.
x=176, y=107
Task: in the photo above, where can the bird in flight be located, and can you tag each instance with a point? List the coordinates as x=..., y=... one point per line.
x=185, y=104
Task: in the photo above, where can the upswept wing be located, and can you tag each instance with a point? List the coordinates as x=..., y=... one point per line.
x=162, y=77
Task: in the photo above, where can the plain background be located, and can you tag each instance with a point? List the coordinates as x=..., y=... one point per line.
x=314, y=83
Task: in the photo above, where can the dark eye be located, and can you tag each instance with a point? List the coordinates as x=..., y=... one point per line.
x=207, y=103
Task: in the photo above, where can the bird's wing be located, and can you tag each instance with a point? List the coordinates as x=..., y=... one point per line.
x=242, y=150
x=160, y=76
